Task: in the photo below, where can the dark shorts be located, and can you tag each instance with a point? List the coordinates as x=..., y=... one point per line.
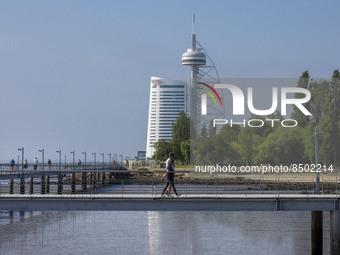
x=170, y=177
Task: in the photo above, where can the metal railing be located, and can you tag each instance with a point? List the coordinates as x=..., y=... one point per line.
x=126, y=183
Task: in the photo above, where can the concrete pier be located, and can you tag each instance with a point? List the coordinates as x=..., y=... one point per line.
x=84, y=181
x=60, y=183
x=335, y=232
x=31, y=185
x=94, y=181
x=42, y=184
x=22, y=185
x=47, y=188
x=316, y=231
x=103, y=179
x=73, y=183
x=11, y=186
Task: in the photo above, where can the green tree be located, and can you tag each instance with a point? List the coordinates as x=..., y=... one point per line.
x=284, y=146
x=212, y=129
x=185, y=150
x=299, y=116
x=180, y=133
x=246, y=144
x=324, y=107
x=267, y=128
x=163, y=148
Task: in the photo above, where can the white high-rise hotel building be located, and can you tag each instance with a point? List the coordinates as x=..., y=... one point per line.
x=168, y=98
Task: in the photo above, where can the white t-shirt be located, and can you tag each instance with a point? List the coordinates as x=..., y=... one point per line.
x=168, y=164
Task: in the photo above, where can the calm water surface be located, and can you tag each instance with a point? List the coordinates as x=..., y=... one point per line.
x=158, y=233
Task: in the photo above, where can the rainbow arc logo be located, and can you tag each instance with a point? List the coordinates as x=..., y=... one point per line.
x=213, y=94
x=209, y=90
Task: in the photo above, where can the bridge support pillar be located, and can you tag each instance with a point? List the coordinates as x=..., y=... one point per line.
x=22, y=184
x=47, y=188
x=31, y=185
x=84, y=181
x=94, y=180
x=103, y=178
x=335, y=232
x=60, y=183
x=73, y=183
x=42, y=184
x=91, y=179
x=317, y=233
x=11, y=186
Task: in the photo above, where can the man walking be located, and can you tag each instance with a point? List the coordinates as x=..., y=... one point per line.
x=170, y=175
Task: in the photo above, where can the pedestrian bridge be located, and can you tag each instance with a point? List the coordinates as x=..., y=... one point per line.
x=186, y=202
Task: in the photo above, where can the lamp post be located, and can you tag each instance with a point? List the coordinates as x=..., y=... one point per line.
x=73, y=181
x=60, y=177
x=84, y=174
x=110, y=155
x=73, y=152
x=94, y=155
x=59, y=151
x=103, y=173
x=102, y=154
x=43, y=159
x=317, y=160
x=94, y=174
x=85, y=158
x=121, y=160
x=22, y=157
x=22, y=178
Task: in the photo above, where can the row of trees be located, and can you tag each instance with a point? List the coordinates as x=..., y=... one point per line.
x=274, y=145
x=180, y=143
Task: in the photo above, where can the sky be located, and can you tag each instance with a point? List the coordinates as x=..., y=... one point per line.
x=75, y=75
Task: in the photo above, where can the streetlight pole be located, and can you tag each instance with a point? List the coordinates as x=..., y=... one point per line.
x=94, y=174
x=102, y=154
x=94, y=154
x=60, y=177
x=84, y=174
x=121, y=160
x=317, y=160
x=103, y=173
x=43, y=160
x=59, y=151
x=73, y=152
x=22, y=157
x=85, y=157
x=22, y=178
x=43, y=183
x=110, y=155
x=73, y=176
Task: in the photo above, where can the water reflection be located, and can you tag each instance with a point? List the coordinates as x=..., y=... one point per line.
x=159, y=233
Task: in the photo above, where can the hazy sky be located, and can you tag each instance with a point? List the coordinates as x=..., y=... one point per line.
x=75, y=75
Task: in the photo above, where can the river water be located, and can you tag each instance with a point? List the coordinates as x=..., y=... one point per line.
x=159, y=233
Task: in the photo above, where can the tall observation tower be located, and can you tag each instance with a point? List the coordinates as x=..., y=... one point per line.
x=202, y=69
x=194, y=58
